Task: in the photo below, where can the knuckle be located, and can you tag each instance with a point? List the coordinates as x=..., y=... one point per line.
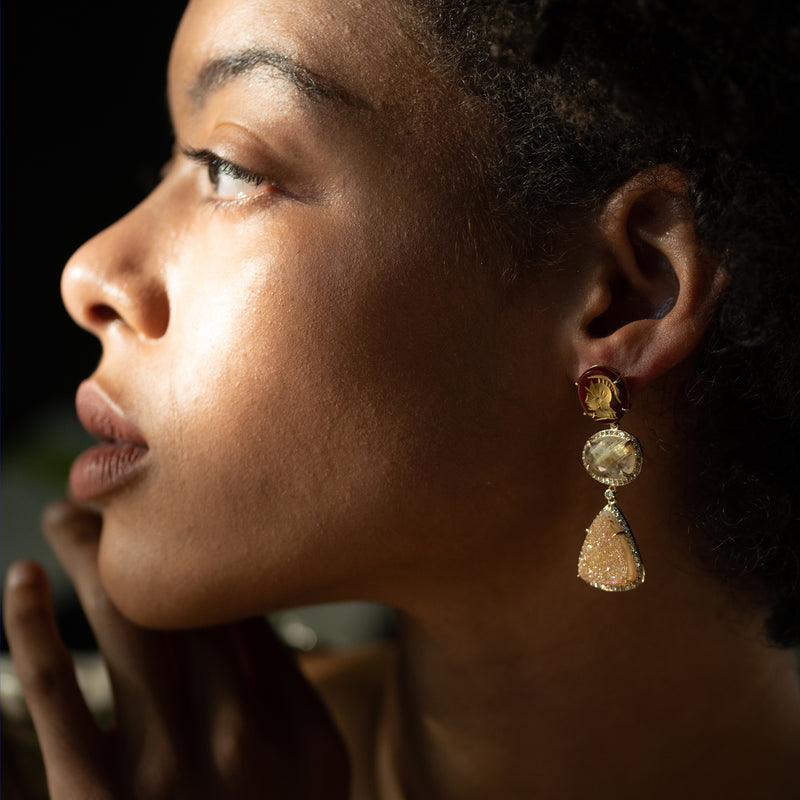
x=231, y=744
x=62, y=518
x=45, y=677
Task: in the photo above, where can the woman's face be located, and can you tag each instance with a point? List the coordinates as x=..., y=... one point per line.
x=319, y=363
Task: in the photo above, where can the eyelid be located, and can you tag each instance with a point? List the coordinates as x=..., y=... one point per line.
x=223, y=166
x=209, y=158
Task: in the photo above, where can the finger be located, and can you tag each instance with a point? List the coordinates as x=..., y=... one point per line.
x=222, y=714
x=302, y=717
x=254, y=707
x=69, y=737
x=263, y=653
x=139, y=662
x=274, y=676
x=239, y=663
x=241, y=736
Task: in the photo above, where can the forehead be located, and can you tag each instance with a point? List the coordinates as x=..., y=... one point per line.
x=367, y=55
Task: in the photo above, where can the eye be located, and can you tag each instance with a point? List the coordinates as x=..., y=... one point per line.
x=229, y=181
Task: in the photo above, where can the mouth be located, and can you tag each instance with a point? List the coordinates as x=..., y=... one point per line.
x=120, y=453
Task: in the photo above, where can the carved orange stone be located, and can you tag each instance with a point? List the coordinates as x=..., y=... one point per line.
x=603, y=394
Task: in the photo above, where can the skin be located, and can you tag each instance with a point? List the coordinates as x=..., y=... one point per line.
x=344, y=399
x=211, y=318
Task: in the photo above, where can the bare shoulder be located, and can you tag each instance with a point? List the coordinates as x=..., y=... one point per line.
x=352, y=682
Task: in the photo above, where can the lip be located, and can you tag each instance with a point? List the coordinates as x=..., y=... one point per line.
x=117, y=458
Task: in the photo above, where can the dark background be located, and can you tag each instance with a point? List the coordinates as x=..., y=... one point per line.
x=83, y=132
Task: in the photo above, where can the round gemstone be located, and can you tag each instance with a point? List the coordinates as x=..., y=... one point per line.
x=613, y=457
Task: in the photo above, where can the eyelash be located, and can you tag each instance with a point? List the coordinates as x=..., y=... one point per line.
x=216, y=166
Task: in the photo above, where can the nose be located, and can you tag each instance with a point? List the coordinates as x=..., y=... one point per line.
x=117, y=279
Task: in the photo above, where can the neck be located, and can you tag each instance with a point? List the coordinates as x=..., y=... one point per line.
x=558, y=690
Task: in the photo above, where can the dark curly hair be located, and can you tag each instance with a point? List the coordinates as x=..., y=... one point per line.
x=582, y=95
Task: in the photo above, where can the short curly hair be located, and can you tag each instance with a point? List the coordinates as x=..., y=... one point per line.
x=582, y=95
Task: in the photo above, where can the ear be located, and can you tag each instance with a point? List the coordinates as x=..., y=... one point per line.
x=652, y=293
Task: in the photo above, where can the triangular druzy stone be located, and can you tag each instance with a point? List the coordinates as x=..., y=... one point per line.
x=609, y=558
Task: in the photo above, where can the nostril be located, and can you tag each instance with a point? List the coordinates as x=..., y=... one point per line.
x=101, y=312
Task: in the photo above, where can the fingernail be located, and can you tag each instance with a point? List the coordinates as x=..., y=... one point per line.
x=23, y=573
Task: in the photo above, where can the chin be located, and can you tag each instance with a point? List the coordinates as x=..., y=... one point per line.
x=151, y=595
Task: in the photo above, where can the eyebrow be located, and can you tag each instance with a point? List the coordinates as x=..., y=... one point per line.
x=214, y=74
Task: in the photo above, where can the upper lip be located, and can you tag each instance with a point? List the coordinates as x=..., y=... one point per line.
x=103, y=419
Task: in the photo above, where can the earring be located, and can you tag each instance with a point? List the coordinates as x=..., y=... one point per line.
x=609, y=559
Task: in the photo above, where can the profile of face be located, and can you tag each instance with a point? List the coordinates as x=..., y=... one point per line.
x=324, y=373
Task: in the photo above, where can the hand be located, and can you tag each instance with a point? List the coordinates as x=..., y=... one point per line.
x=215, y=713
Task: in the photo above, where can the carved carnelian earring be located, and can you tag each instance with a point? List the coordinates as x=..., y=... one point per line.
x=609, y=558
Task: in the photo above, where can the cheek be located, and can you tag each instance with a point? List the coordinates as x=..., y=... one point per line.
x=306, y=432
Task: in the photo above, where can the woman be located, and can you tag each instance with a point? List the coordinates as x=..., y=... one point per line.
x=340, y=343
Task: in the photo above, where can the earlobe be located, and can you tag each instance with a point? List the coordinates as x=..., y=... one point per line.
x=654, y=291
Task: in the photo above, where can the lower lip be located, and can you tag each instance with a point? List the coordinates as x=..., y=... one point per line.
x=104, y=468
